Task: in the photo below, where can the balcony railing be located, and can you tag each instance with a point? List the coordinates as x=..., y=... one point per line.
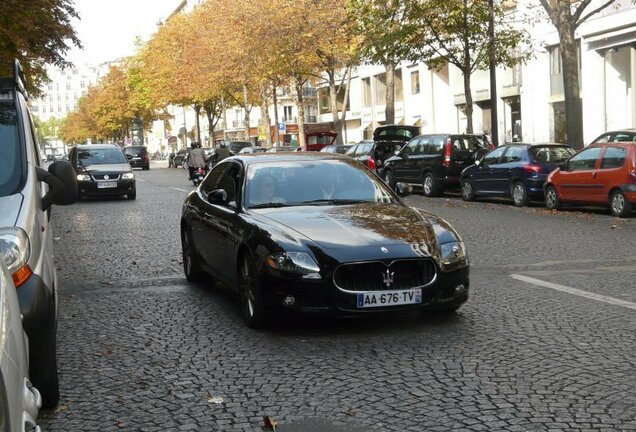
x=311, y=119
x=238, y=124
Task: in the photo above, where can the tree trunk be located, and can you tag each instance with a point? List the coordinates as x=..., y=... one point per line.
x=265, y=117
x=275, y=116
x=224, y=118
x=342, y=133
x=333, y=103
x=389, y=110
x=247, y=109
x=571, y=91
x=301, y=113
x=197, y=110
x=469, y=102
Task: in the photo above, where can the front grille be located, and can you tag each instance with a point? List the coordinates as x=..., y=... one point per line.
x=110, y=176
x=373, y=276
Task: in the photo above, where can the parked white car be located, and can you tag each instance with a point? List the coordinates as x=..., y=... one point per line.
x=19, y=400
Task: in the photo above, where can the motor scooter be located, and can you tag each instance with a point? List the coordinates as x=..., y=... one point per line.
x=198, y=175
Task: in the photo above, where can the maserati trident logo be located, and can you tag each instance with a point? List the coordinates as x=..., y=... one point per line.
x=387, y=278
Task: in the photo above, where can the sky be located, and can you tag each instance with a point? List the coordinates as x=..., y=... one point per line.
x=107, y=28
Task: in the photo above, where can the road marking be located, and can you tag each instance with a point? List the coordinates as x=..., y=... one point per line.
x=179, y=189
x=574, y=291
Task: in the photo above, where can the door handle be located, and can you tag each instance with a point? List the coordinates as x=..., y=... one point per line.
x=594, y=174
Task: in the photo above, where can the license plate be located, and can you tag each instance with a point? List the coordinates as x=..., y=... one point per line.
x=104, y=185
x=136, y=158
x=371, y=299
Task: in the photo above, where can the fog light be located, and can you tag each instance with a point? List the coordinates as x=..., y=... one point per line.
x=460, y=289
x=289, y=301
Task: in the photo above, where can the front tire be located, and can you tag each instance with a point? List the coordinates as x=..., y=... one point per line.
x=552, y=201
x=389, y=179
x=619, y=206
x=430, y=185
x=44, y=375
x=191, y=268
x=468, y=193
x=519, y=194
x=132, y=195
x=250, y=295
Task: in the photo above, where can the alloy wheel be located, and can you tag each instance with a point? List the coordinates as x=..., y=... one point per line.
x=428, y=185
x=551, y=199
x=519, y=194
x=618, y=203
x=186, y=254
x=467, y=191
x=247, y=291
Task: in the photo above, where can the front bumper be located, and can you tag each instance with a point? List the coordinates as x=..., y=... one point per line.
x=91, y=188
x=322, y=297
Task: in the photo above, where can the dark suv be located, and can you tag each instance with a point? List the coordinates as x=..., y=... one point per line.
x=27, y=192
x=137, y=157
x=435, y=161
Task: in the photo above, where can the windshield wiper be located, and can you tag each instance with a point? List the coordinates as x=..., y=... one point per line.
x=333, y=201
x=267, y=205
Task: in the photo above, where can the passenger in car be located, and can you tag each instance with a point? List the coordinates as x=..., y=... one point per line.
x=264, y=190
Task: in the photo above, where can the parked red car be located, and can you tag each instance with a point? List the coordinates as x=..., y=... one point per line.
x=603, y=173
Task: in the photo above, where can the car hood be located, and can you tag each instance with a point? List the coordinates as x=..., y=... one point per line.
x=120, y=167
x=359, y=225
x=10, y=206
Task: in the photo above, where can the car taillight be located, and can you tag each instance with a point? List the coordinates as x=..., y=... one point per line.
x=447, y=153
x=532, y=169
x=371, y=163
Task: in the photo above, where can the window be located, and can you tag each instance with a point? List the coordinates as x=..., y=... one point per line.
x=413, y=147
x=59, y=108
x=68, y=86
x=82, y=84
x=493, y=156
x=229, y=183
x=415, y=82
x=585, y=160
x=550, y=154
x=211, y=181
x=10, y=172
x=437, y=145
x=380, y=89
x=366, y=92
x=614, y=157
x=514, y=154
x=623, y=137
x=287, y=113
x=398, y=86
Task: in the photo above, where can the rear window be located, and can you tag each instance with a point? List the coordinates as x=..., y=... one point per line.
x=135, y=151
x=463, y=142
x=406, y=133
x=550, y=153
x=10, y=173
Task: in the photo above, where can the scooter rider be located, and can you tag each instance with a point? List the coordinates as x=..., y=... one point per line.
x=197, y=158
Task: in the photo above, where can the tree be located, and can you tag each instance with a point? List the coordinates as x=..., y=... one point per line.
x=386, y=39
x=36, y=33
x=456, y=32
x=566, y=16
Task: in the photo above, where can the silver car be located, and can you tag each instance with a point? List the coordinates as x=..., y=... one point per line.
x=27, y=192
x=19, y=400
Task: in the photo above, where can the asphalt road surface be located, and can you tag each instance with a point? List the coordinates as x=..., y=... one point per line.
x=547, y=340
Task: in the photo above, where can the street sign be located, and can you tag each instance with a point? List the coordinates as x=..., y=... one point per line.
x=262, y=132
x=281, y=127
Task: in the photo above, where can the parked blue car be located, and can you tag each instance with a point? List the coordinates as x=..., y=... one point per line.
x=514, y=170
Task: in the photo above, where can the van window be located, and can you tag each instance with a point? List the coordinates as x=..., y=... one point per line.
x=10, y=173
x=436, y=145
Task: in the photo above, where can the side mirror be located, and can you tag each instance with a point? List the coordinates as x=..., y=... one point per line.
x=218, y=196
x=403, y=189
x=62, y=182
x=563, y=166
x=478, y=162
x=129, y=157
x=396, y=152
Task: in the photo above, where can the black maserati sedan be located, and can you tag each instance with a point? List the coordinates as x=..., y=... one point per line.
x=318, y=233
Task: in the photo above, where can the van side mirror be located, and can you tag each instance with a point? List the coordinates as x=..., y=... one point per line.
x=62, y=183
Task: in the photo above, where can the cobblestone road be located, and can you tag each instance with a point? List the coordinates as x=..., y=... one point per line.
x=141, y=349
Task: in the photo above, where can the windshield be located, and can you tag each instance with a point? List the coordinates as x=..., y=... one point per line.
x=550, y=153
x=101, y=156
x=9, y=151
x=312, y=182
x=320, y=139
x=135, y=151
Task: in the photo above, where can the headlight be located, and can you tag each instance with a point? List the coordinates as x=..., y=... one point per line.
x=83, y=177
x=16, y=249
x=127, y=176
x=293, y=262
x=453, y=256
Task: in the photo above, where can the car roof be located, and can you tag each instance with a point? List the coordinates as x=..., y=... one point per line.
x=254, y=158
x=97, y=146
x=537, y=144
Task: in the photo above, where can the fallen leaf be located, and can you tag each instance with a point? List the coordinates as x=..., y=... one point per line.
x=169, y=392
x=120, y=425
x=134, y=263
x=119, y=401
x=349, y=412
x=147, y=343
x=614, y=226
x=61, y=408
x=270, y=423
x=215, y=399
x=56, y=238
